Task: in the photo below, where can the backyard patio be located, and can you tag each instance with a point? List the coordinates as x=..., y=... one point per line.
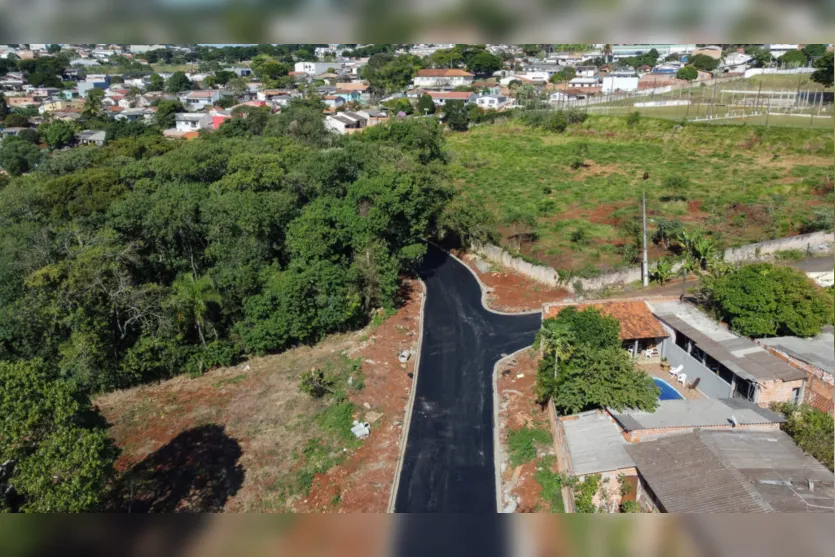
x=656, y=371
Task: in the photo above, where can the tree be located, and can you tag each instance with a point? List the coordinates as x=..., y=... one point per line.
x=602, y=378
x=811, y=429
x=166, y=110
x=57, y=134
x=18, y=157
x=760, y=56
x=57, y=456
x=687, y=73
x=455, y=116
x=30, y=135
x=15, y=120
x=93, y=107
x=824, y=70
x=426, y=105
x=4, y=107
x=566, y=74
x=814, y=50
x=178, y=82
x=793, y=58
x=237, y=86
x=156, y=82
x=396, y=106
x=484, y=63
x=767, y=300
x=556, y=337
x=193, y=296
x=531, y=49
x=53, y=48
x=389, y=74
x=633, y=119
x=703, y=62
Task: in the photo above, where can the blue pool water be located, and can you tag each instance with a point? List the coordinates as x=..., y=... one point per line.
x=667, y=391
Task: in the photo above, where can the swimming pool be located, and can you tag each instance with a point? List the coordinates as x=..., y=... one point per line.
x=667, y=390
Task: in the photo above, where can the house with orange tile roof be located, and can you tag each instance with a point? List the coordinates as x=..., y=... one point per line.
x=640, y=330
x=443, y=79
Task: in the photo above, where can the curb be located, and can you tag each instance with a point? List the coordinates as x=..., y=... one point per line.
x=407, y=420
x=484, y=289
x=497, y=448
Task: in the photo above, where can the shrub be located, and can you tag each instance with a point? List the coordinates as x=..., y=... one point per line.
x=812, y=430
x=315, y=383
x=633, y=119
x=584, y=493
x=675, y=182
x=521, y=444
x=789, y=255
x=579, y=236
x=630, y=507
x=766, y=300
x=821, y=220
x=215, y=354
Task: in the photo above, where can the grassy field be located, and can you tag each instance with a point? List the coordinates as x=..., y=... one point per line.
x=677, y=113
x=742, y=183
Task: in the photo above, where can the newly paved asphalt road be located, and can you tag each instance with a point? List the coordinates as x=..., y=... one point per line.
x=448, y=464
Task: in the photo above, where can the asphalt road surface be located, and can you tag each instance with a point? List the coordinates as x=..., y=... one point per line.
x=448, y=463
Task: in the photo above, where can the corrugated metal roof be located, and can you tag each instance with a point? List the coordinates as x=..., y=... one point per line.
x=734, y=471
x=595, y=444
x=817, y=351
x=703, y=412
x=687, y=477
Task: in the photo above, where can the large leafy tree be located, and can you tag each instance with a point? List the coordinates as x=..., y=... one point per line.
x=703, y=62
x=484, y=63
x=456, y=116
x=767, y=300
x=56, y=455
x=824, y=70
x=687, y=73
x=166, y=111
x=57, y=134
x=18, y=156
x=178, y=82
x=426, y=105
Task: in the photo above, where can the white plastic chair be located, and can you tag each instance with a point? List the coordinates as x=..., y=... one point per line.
x=682, y=378
x=676, y=370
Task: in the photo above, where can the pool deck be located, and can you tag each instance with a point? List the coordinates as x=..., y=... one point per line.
x=654, y=370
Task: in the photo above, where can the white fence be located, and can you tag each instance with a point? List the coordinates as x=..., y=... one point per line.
x=774, y=71
x=661, y=103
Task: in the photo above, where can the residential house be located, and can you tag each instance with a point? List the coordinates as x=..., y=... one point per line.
x=44, y=92
x=85, y=62
x=683, y=416
x=726, y=364
x=315, y=68
x=566, y=95
x=443, y=79
x=11, y=132
x=67, y=116
x=585, y=71
x=345, y=122
x=593, y=444
x=777, y=50
x=15, y=102
x=640, y=332
x=584, y=82
x=12, y=81
x=137, y=115
x=91, y=137
x=373, y=117
x=622, y=80
x=816, y=357
x=241, y=71
x=198, y=100
x=219, y=117
x=492, y=102
x=53, y=106
x=332, y=102
x=440, y=98
x=93, y=81
x=736, y=62
x=191, y=122
x=270, y=94
x=732, y=472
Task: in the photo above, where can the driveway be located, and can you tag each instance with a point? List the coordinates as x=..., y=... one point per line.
x=448, y=462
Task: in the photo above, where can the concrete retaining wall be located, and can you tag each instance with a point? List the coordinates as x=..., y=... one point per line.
x=814, y=244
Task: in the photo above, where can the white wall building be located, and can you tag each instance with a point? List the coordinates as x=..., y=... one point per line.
x=315, y=68
x=191, y=122
x=612, y=83
x=492, y=102
x=443, y=79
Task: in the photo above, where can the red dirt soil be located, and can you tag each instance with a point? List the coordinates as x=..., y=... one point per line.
x=364, y=480
x=510, y=291
x=517, y=409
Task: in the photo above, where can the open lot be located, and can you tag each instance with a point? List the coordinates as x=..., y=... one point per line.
x=742, y=183
x=246, y=439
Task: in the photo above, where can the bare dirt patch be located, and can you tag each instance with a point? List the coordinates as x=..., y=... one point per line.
x=518, y=409
x=508, y=290
x=234, y=438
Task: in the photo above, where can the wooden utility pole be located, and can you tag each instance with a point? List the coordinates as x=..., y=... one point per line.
x=645, y=265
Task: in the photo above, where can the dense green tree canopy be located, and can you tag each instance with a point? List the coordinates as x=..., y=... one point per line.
x=57, y=134
x=585, y=366
x=824, y=70
x=18, y=156
x=687, y=73
x=793, y=58
x=767, y=300
x=456, y=116
x=426, y=105
x=703, y=62
x=178, y=82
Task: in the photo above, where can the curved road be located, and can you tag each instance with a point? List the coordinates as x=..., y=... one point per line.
x=448, y=462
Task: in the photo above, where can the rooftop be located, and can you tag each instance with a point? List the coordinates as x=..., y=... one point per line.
x=201, y=94
x=443, y=73
x=595, y=443
x=817, y=351
x=189, y=116
x=703, y=412
x=733, y=471
x=636, y=319
x=741, y=355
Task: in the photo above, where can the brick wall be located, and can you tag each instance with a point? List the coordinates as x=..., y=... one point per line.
x=777, y=391
x=819, y=394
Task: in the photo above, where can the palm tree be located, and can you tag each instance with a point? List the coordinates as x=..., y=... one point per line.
x=194, y=295
x=559, y=339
